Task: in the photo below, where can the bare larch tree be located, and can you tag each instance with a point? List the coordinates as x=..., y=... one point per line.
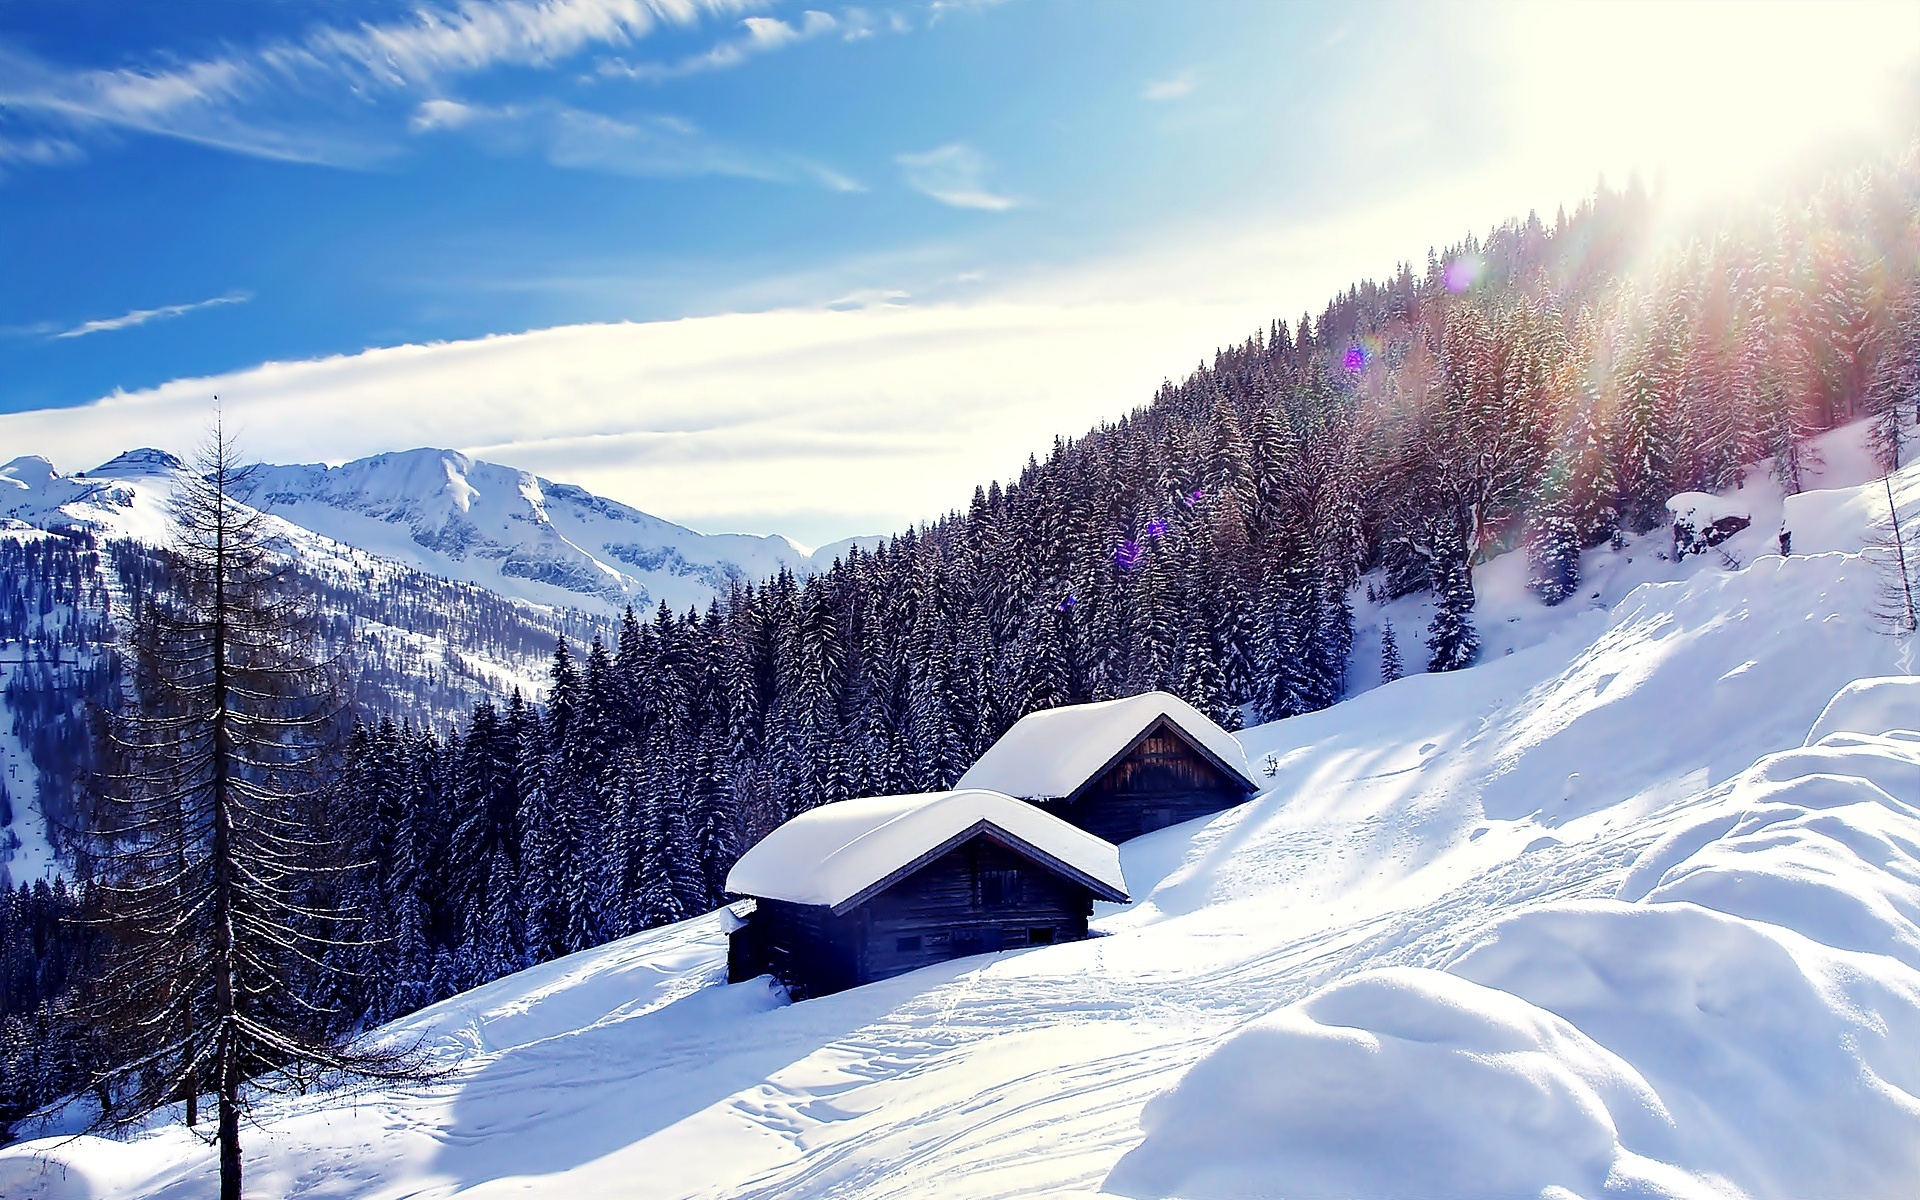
x=209, y=863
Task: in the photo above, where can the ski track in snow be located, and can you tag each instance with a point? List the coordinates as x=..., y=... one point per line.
x=1424, y=856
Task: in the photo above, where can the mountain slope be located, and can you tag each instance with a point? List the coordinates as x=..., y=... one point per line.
x=443, y=513
x=1592, y=890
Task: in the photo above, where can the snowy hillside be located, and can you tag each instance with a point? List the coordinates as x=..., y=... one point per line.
x=443, y=513
x=1585, y=920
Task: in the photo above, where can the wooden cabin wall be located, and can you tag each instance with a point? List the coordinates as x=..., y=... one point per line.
x=1162, y=782
x=806, y=947
x=945, y=910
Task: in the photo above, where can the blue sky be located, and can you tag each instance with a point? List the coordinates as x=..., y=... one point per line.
x=188, y=191
x=315, y=195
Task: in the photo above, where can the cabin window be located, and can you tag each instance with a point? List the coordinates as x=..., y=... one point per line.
x=907, y=943
x=1040, y=936
x=998, y=889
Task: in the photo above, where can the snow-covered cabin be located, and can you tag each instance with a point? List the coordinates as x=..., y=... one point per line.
x=1119, y=768
x=867, y=889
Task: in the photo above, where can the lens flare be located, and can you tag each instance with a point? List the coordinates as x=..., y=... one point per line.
x=1463, y=272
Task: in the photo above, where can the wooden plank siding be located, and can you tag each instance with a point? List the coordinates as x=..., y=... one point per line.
x=977, y=898
x=1162, y=780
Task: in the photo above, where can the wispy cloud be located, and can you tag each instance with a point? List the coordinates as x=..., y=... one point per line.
x=1173, y=87
x=953, y=174
x=644, y=146
x=938, y=9
x=140, y=316
x=39, y=151
x=442, y=113
x=199, y=103
x=230, y=100
x=857, y=23
x=477, y=34
x=763, y=35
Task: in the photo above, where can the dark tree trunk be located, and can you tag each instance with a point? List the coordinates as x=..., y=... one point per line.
x=229, y=1136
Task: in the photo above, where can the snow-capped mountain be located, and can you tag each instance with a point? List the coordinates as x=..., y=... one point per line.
x=443, y=513
x=454, y=578
x=125, y=497
x=1628, y=909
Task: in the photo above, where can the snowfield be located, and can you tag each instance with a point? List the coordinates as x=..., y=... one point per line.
x=1631, y=909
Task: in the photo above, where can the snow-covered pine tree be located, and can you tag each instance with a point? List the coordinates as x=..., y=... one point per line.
x=413, y=877
x=1293, y=680
x=1847, y=323
x=1040, y=655
x=1776, y=365
x=1391, y=667
x=620, y=843
x=1202, y=682
x=1331, y=642
x=1151, y=631
x=715, y=818
x=1553, y=554
x=545, y=840
x=1893, y=393
x=493, y=941
x=485, y=835
x=1452, y=641
x=1647, y=404
x=663, y=853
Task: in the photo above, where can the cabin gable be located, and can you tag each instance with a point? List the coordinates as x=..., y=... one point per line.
x=986, y=829
x=977, y=898
x=1162, y=777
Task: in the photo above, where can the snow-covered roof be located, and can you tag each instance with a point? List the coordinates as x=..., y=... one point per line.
x=1054, y=752
x=837, y=853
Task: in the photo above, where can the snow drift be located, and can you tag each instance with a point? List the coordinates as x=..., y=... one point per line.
x=1741, y=1020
